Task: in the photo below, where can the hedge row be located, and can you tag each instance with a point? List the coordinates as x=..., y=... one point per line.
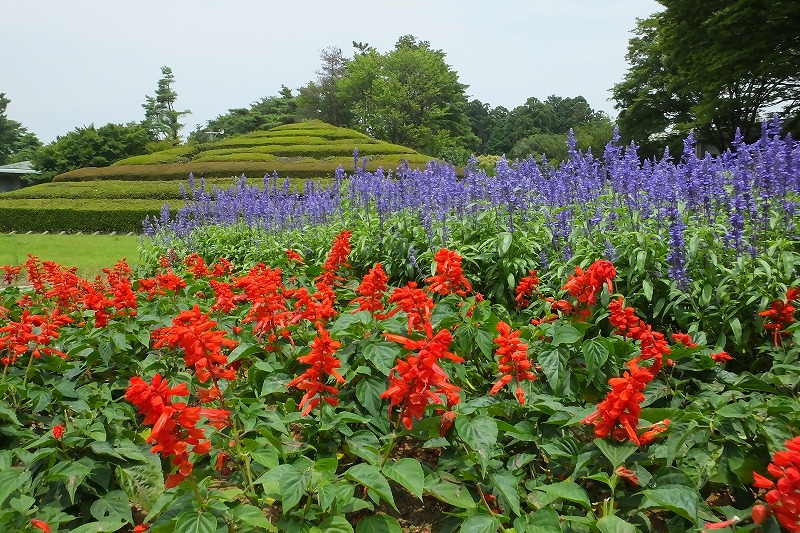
x=224, y=169
x=301, y=150
x=173, y=155
x=233, y=154
x=78, y=215
x=111, y=189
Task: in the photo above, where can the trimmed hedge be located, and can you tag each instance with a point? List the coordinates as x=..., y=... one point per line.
x=110, y=189
x=301, y=150
x=41, y=215
x=173, y=155
x=233, y=154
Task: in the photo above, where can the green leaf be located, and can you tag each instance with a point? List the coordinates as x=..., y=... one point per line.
x=11, y=480
x=595, y=352
x=254, y=517
x=616, y=454
x=647, y=288
x=566, y=334
x=193, y=522
x=97, y=527
x=383, y=355
x=679, y=499
x=371, y=477
x=566, y=490
x=293, y=485
x=480, y=436
x=554, y=368
x=379, y=523
x=408, y=473
x=736, y=329
x=507, y=486
x=336, y=524
x=368, y=392
x=480, y=523
x=455, y=494
x=143, y=483
x=504, y=243
x=615, y=524
x=112, y=507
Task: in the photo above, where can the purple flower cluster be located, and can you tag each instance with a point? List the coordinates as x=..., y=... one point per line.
x=737, y=196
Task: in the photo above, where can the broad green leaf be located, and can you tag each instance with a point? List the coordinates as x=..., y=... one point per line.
x=554, y=368
x=615, y=524
x=97, y=527
x=566, y=334
x=480, y=523
x=507, y=485
x=112, y=507
x=679, y=499
x=143, y=483
x=293, y=485
x=616, y=453
x=595, y=352
x=253, y=516
x=504, y=243
x=455, y=494
x=368, y=392
x=11, y=480
x=736, y=329
x=194, y=522
x=371, y=477
x=566, y=490
x=647, y=288
x=336, y=524
x=480, y=436
x=379, y=523
x=407, y=472
x=383, y=355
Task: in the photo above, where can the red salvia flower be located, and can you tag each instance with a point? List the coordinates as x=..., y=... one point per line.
x=526, y=288
x=293, y=256
x=514, y=363
x=321, y=363
x=684, y=338
x=196, y=265
x=221, y=267
x=780, y=315
x=40, y=524
x=263, y=287
x=58, y=431
x=722, y=525
x=449, y=277
x=416, y=304
x=627, y=474
x=653, y=431
x=174, y=424
x=202, y=345
x=585, y=286
x=337, y=260
x=419, y=380
x=12, y=274
x=226, y=300
x=653, y=346
x=372, y=290
x=32, y=332
x=618, y=414
x=721, y=357
x=783, y=497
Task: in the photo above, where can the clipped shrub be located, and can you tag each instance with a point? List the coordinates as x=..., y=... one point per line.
x=173, y=155
x=78, y=215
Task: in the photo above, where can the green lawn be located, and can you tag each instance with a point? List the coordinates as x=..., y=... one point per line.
x=90, y=253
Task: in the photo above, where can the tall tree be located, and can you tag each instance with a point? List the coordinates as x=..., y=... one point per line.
x=320, y=99
x=408, y=96
x=91, y=147
x=16, y=142
x=713, y=69
x=161, y=118
x=264, y=114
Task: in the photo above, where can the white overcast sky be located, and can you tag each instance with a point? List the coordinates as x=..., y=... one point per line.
x=70, y=63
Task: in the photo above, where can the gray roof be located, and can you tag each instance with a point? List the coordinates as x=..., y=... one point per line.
x=23, y=167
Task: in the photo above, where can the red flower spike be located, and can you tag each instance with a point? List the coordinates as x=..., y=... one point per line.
x=780, y=315
x=141, y=528
x=416, y=304
x=514, y=362
x=783, y=497
x=336, y=260
x=321, y=363
x=292, y=256
x=372, y=290
x=721, y=357
x=526, y=288
x=58, y=432
x=449, y=278
x=419, y=381
x=40, y=524
x=202, y=345
x=585, y=286
x=722, y=525
x=685, y=339
x=627, y=474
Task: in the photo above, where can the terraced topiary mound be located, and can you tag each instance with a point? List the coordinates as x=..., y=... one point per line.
x=307, y=150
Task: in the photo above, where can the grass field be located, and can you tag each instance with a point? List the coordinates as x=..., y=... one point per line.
x=89, y=253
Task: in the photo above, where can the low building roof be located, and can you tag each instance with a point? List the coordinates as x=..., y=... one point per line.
x=23, y=167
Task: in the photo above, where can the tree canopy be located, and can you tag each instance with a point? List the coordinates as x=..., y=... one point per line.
x=161, y=118
x=16, y=142
x=713, y=70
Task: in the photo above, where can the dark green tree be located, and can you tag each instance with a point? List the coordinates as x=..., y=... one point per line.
x=320, y=99
x=408, y=96
x=713, y=70
x=266, y=113
x=91, y=147
x=161, y=118
x=16, y=142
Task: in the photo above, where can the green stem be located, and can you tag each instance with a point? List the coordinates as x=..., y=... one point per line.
x=27, y=371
